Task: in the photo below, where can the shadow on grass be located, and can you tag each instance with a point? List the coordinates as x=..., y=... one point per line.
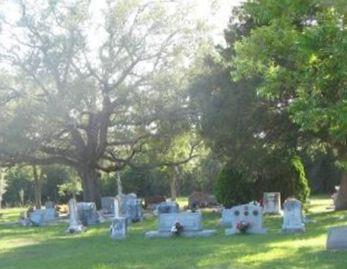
x=95, y=250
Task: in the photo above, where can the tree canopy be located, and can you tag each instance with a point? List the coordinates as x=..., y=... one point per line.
x=91, y=89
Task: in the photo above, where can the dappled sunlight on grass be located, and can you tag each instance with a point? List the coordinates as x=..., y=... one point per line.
x=10, y=214
x=40, y=248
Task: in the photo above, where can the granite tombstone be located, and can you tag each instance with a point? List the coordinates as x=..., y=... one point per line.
x=249, y=216
x=272, y=203
x=292, y=216
x=190, y=222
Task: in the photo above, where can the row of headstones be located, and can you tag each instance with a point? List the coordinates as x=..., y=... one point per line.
x=127, y=207
x=40, y=217
x=249, y=218
x=191, y=222
x=249, y=214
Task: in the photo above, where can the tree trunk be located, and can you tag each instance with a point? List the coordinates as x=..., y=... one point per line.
x=37, y=187
x=341, y=200
x=90, y=185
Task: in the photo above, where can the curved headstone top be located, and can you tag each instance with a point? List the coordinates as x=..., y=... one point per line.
x=292, y=216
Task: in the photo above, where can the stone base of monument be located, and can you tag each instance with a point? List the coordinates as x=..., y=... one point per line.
x=293, y=230
x=75, y=229
x=233, y=231
x=202, y=233
x=337, y=238
x=191, y=222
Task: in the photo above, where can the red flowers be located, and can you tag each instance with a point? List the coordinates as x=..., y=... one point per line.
x=243, y=226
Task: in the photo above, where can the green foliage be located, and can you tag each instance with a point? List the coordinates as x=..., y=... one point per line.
x=233, y=187
x=19, y=180
x=299, y=52
x=95, y=94
x=300, y=186
x=282, y=173
x=71, y=188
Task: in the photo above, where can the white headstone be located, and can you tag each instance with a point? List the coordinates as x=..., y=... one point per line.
x=292, y=216
x=119, y=185
x=272, y=203
x=74, y=223
x=227, y=217
x=118, y=228
x=249, y=214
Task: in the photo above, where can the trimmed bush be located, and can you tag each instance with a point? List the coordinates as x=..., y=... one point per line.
x=233, y=187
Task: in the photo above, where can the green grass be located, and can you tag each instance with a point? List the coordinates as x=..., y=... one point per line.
x=49, y=247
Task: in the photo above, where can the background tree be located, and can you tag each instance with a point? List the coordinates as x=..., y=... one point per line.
x=251, y=135
x=299, y=48
x=91, y=88
x=3, y=185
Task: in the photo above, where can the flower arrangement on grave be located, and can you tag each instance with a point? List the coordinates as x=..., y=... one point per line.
x=243, y=226
x=177, y=229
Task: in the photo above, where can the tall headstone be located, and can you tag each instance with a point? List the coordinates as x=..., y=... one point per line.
x=75, y=225
x=133, y=208
x=118, y=228
x=272, y=203
x=292, y=216
x=119, y=185
x=248, y=214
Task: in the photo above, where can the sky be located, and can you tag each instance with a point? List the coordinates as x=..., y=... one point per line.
x=215, y=12
x=217, y=16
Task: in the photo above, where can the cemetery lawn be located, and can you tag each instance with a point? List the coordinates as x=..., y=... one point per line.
x=49, y=247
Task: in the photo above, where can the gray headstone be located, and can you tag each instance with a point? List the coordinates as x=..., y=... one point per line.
x=167, y=207
x=130, y=207
x=49, y=204
x=37, y=217
x=227, y=217
x=50, y=214
x=337, y=238
x=134, y=209
x=107, y=204
x=272, y=203
x=292, y=216
x=87, y=213
x=247, y=213
x=191, y=222
x=118, y=228
x=40, y=217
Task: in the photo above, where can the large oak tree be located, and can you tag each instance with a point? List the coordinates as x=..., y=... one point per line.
x=95, y=83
